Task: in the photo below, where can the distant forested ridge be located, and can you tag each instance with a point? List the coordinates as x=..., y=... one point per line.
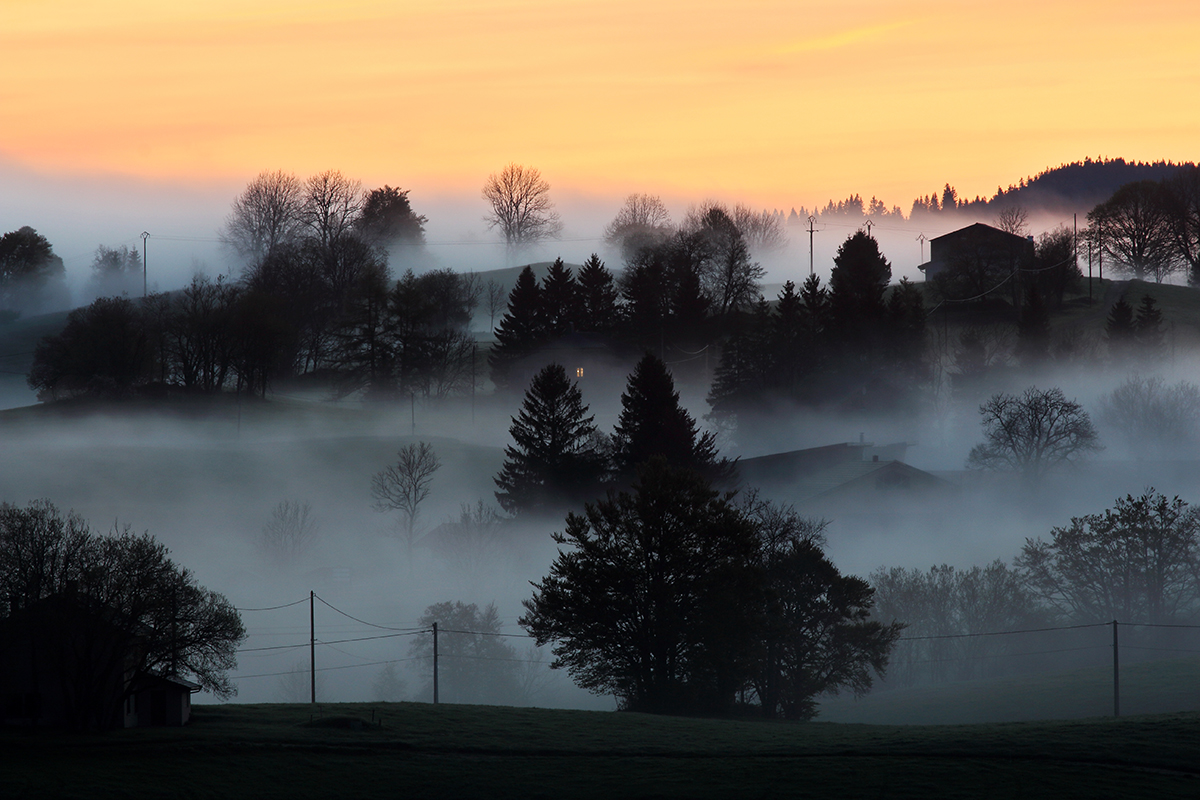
x=1078, y=186
x=1084, y=182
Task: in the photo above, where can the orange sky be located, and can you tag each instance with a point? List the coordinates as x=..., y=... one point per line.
x=773, y=103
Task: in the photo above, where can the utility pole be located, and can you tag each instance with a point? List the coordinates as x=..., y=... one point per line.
x=1075, y=247
x=412, y=399
x=145, y=236
x=435, y=665
x=312, y=648
x=1116, y=674
x=922, y=239
x=868, y=223
x=473, y=346
x=811, y=220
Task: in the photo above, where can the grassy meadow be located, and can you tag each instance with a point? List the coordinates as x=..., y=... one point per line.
x=422, y=750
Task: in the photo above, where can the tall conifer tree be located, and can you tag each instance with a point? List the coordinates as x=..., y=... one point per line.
x=560, y=300
x=553, y=460
x=653, y=423
x=597, y=296
x=521, y=330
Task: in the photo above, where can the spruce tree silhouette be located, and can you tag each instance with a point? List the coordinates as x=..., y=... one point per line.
x=521, y=329
x=597, y=297
x=560, y=300
x=1147, y=328
x=653, y=423
x=554, y=459
x=1119, y=330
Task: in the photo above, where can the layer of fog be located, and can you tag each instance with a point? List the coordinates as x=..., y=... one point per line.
x=207, y=486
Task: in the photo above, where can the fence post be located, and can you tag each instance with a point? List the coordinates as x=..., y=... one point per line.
x=1116, y=673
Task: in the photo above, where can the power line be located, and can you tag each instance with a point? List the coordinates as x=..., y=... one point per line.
x=998, y=655
x=363, y=621
x=275, y=647
x=489, y=633
x=1000, y=633
x=373, y=638
x=273, y=608
x=1163, y=649
x=331, y=669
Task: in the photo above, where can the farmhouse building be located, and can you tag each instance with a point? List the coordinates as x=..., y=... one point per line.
x=835, y=477
x=978, y=248
x=66, y=662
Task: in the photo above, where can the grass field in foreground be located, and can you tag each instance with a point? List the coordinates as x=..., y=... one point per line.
x=448, y=751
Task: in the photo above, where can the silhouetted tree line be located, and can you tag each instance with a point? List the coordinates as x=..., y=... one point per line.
x=559, y=459
x=1137, y=562
x=214, y=336
x=851, y=345
x=1083, y=182
x=681, y=287
x=1080, y=183
x=315, y=301
x=540, y=316
x=317, y=257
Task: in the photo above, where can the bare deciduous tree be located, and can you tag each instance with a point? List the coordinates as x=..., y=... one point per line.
x=404, y=485
x=1135, y=231
x=762, y=230
x=642, y=221
x=729, y=278
x=290, y=531
x=332, y=205
x=1138, y=562
x=520, y=206
x=1154, y=418
x=1014, y=220
x=1033, y=434
x=264, y=216
x=1181, y=200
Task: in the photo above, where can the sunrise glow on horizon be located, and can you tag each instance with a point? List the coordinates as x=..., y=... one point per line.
x=776, y=103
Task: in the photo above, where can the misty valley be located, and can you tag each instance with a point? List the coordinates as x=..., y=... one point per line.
x=663, y=486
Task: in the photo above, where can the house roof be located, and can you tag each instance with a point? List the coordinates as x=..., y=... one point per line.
x=838, y=471
x=151, y=681
x=790, y=466
x=980, y=230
